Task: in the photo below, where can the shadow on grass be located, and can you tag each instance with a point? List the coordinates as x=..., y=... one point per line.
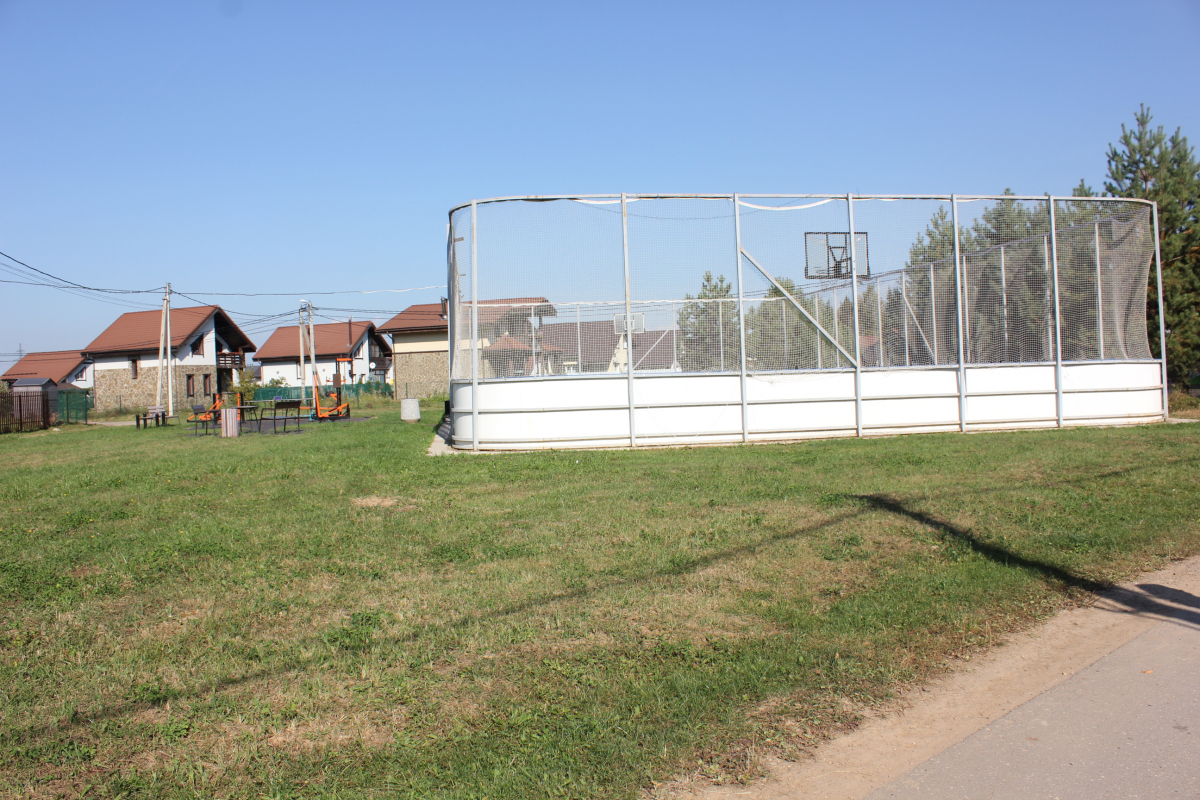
x=1130, y=601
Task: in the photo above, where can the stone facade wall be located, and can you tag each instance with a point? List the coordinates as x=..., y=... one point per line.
x=425, y=373
x=115, y=389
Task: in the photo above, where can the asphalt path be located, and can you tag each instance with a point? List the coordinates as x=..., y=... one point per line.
x=1098, y=702
x=1128, y=726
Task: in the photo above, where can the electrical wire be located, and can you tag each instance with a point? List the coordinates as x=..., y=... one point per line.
x=79, y=285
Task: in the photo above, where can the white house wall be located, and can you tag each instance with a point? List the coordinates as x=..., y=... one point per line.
x=289, y=370
x=670, y=408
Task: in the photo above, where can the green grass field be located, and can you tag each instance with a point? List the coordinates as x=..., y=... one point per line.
x=335, y=614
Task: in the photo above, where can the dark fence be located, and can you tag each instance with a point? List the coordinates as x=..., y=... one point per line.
x=73, y=405
x=24, y=412
x=349, y=391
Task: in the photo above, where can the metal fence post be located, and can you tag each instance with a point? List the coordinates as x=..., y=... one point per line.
x=1162, y=321
x=904, y=314
x=737, y=233
x=628, y=322
x=959, y=290
x=1058, y=370
x=1099, y=294
x=858, y=422
x=474, y=329
x=451, y=318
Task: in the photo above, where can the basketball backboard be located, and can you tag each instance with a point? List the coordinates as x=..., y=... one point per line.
x=827, y=256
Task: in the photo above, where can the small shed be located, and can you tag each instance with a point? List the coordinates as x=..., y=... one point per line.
x=35, y=402
x=30, y=387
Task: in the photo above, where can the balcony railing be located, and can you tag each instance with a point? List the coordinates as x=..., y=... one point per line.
x=231, y=361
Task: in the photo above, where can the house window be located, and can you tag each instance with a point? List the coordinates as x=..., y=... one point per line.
x=133, y=365
x=198, y=346
x=191, y=385
x=208, y=384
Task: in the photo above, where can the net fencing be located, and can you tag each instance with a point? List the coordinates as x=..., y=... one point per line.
x=595, y=285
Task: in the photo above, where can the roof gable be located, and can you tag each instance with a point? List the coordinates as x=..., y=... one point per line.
x=332, y=339
x=57, y=365
x=138, y=331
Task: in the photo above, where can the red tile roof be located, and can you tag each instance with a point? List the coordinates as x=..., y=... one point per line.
x=420, y=317
x=507, y=342
x=331, y=340
x=58, y=365
x=138, y=331
x=428, y=316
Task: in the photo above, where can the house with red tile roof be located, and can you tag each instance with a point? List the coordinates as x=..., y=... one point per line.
x=206, y=348
x=354, y=350
x=421, y=340
x=69, y=369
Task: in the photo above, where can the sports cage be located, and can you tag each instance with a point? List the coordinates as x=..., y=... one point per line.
x=612, y=320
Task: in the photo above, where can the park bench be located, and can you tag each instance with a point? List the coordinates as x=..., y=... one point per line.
x=280, y=410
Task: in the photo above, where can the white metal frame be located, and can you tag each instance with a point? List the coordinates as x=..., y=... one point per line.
x=962, y=370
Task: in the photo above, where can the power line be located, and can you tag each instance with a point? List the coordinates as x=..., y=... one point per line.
x=306, y=294
x=79, y=285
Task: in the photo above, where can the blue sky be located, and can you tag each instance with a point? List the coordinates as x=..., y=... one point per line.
x=317, y=146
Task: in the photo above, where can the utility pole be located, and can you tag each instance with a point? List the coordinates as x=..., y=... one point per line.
x=300, y=335
x=170, y=358
x=162, y=335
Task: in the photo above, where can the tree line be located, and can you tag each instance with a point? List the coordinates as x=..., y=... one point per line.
x=1006, y=268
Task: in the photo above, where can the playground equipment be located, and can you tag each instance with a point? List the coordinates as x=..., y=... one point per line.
x=339, y=410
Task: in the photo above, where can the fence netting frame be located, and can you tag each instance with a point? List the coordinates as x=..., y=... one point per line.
x=586, y=286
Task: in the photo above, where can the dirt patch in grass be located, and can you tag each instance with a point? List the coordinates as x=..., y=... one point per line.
x=374, y=501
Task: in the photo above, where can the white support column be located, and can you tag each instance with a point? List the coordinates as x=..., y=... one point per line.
x=1162, y=322
x=959, y=291
x=1099, y=294
x=737, y=233
x=628, y=322
x=578, y=339
x=904, y=313
x=474, y=329
x=858, y=421
x=451, y=334
x=1058, y=370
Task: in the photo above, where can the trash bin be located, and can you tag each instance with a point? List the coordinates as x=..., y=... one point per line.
x=230, y=424
x=410, y=409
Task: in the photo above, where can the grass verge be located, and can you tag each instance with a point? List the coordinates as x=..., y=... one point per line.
x=334, y=614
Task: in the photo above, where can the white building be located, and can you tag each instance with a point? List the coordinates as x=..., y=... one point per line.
x=354, y=350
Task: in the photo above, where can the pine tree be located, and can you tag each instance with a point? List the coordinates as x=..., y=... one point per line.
x=708, y=331
x=1148, y=164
